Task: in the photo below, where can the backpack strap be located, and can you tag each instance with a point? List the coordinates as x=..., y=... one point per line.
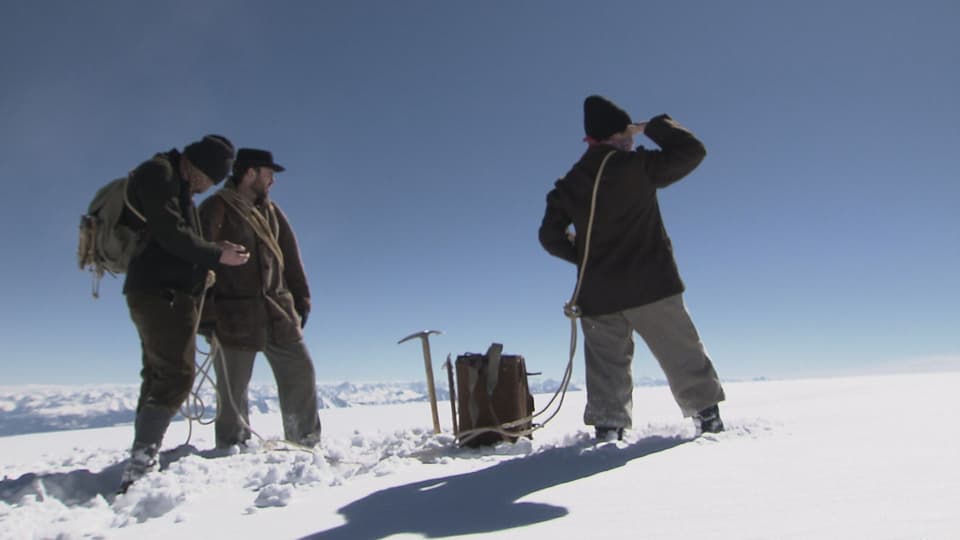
x=493, y=367
x=129, y=205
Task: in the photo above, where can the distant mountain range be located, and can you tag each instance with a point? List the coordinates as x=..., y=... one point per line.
x=41, y=408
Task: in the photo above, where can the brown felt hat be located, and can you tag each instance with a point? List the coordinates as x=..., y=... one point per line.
x=253, y=158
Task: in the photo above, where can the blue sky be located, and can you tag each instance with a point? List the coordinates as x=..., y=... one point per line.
x=820, y=235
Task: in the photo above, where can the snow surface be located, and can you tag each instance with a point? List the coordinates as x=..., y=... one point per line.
x=861, y=457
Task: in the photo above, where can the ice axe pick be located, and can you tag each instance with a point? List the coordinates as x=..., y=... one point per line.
x=428, y=363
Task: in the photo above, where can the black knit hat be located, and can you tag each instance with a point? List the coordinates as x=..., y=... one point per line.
x=222, y=139
x=601, y=118
x=213, y=155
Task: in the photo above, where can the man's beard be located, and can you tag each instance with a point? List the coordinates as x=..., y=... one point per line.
x=260, y=195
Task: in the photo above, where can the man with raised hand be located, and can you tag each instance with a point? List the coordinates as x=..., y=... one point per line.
x=630, y=282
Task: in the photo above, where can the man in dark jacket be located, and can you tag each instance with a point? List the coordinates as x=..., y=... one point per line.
x=629, y=281
x=260, y=307
x=166, y=281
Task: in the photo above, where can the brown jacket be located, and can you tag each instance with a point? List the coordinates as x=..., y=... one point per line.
x=631, y=259
x=265, y=299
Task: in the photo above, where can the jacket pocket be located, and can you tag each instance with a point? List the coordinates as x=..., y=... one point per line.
x=237, y=320
x=284, y=317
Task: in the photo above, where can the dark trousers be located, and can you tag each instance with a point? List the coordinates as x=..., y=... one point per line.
x=167, y=325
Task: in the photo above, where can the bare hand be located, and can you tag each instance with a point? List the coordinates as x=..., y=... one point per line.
x=233, y=254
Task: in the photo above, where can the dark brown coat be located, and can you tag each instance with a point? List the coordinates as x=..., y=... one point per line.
x=631, y=259
x=175, y=257
x=255, y=302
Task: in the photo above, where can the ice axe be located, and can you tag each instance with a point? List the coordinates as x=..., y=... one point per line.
x=428, y=363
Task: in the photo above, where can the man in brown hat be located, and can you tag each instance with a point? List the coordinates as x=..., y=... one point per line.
x=629, y=281
x=166, y=281
x=261, y=307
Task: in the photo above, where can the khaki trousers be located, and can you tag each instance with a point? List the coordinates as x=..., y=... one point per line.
x=296, y=386
x=669, y=332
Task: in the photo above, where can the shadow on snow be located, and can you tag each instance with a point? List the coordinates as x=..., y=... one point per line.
x=486, y=500
x=81, y=486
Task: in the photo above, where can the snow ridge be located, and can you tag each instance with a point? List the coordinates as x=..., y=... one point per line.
x=40, y=408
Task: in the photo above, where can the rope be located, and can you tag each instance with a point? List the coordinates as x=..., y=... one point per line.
x=572, y=311
x=194, y=408
x=257, y=220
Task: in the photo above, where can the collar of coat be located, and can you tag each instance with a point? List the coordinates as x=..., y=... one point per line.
x=263, y=222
